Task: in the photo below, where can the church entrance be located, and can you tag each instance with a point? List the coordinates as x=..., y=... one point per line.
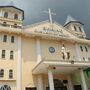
x=77, y=87
x=58, y=85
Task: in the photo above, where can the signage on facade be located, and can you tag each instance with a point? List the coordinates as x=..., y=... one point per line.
x=51, y=32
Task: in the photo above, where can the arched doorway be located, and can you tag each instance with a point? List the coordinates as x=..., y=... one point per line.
x=58, y=85
x=5, y=87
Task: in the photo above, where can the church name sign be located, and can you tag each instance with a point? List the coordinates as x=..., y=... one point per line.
x=51, y=32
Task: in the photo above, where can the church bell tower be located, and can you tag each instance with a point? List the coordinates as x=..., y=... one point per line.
x=11, y=16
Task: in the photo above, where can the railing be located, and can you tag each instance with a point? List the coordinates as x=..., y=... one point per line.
x=11, y=26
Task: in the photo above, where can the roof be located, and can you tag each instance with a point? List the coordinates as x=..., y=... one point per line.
x=71, y=20
x=88, y=38
x=11, y=5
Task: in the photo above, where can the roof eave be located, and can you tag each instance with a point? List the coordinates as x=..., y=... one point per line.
x=15, y=8
x=73, y=22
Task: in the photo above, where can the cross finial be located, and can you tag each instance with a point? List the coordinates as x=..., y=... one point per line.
x=50, y=15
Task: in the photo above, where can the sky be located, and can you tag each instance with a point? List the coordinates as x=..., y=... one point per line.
x=34, y=10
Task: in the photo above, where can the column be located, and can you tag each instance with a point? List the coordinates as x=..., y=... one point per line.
x=51, y=82
x=40, y=82
x=38, y=50
x=84, y=85
x=70, y=85
x=78, y=56
x=19, y=66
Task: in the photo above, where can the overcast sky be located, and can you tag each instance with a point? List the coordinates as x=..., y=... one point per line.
x=78, y=9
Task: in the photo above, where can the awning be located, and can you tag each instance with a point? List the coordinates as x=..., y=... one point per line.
x=60, y=66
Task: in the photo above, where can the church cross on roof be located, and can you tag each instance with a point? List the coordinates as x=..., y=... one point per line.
x=50, y=15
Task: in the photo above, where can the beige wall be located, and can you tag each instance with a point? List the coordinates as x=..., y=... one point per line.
x=28, y=61
x=6, y=63
x=45, y=44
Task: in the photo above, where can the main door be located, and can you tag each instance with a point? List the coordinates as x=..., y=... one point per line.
x=31, y=88
x=61, y=88
x=58, y=88
x=58, y=85
x=77, y=87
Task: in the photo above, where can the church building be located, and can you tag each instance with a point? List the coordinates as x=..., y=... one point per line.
x=44, y=55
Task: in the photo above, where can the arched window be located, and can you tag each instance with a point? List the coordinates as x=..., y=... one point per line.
x=1, y=73
x=11, y=54
x=4, y=24
x=5, y=38
x=12, y=39
x=10, y=73
x=15, y=25
x=75, y=28
x=84, y=58
x=6, y=14
x=5, y=87
x=80, y=29
x=81, y=48
x=3, y=54
x=16, y=16
x=86, y=49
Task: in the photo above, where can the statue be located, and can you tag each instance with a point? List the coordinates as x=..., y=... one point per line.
x=65, y=53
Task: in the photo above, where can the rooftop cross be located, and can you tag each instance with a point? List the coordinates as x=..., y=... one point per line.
x=50, y=15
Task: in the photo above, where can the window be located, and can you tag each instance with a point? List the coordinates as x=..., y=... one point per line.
x=81, y=48
x=75, y=28
x=80, y=29
x=86, y=49
x=15, y=25
x=12, y=39
x=6, y=14
x=89, y=59
x=3, y=53
x=1, y=73
x=5, y=38
x=4, y=24
x=83, y=58
x=10, y=73
x=16, y=16
x=11, y=54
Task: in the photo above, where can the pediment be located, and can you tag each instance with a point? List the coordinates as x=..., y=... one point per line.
x=45, y=28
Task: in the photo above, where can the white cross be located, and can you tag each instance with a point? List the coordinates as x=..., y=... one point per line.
x=50, y=15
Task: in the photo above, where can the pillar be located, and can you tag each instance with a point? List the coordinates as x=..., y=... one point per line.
x=84, y=85
x=70, y=85
x=40, y=82
x=38, y=50
x=51, y=82
x=19, y=66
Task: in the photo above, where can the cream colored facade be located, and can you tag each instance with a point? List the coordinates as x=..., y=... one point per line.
x=38, y=59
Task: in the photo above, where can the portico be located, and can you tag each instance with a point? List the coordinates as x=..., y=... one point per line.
x=64, y=68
